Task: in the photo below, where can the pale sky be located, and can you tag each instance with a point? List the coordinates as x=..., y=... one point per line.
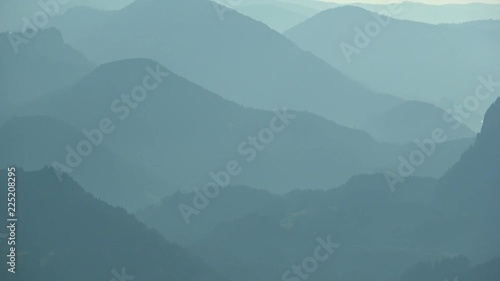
x=435, y=2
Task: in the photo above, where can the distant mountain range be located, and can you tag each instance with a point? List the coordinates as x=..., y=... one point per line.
x=14, y=13
x=307, y=152
x=412, y=120
x=419, y=221
x=179, y=114
x=237, y=58
x=278, y=15
x=444, y=13
x=433, y=63
x=63, y=233
x=40, y=65
x=282, y=15
x=263, y=140
x=37, y=141
x=233, y=203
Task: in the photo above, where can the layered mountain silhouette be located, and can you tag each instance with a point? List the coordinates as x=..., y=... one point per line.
x=238, y=58
x=305, y=152
x=279, y=15
x=262, y=140
x=37, y=141
x=422, y=220
x=33, y=67
x=440, y=159
x=469, y=194
x=65, y=233
x=413, y=120
x=444, y=13
x=434, y=63
x=15, y=14
x=191, y=132
x=372, y=225
x=232, y=204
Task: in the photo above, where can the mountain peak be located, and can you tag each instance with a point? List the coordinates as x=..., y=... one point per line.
x=348, y=8
x=134, y=63
x=345, y=12
x=490, y=131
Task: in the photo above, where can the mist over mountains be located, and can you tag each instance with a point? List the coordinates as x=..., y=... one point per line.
x=282, y=70
x=192, y=140
x=42, y=66
x=282, y=15
x=75, y=248
x=353, y=40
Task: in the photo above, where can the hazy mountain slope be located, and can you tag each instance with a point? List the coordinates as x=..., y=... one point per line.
x=238, y=58
x=190, y=132
x=421, y=220
x=35, y=142
x=412, y=60
x=275, y=17
x=439, y=161
x=13, y=12
x=233, y=203
x=279, y=15
x=444, y=13
x=300, y=7
x=43, y=64
x=68, y=234
x=473, y=182
x=414, y=120
x=414, y=11
x=433, y=14
x=375, y=227
x=470, y=190
x=372, y=225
